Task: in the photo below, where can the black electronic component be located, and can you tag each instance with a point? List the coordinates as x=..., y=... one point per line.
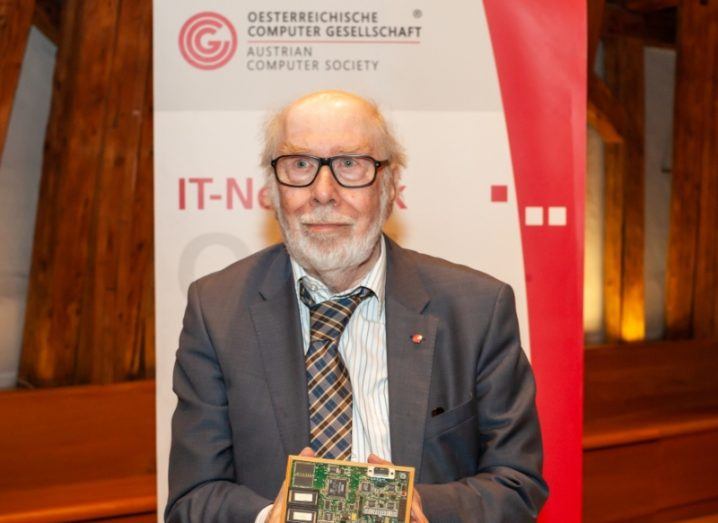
x=303, y=475
x=303, y=481
x=337, y=487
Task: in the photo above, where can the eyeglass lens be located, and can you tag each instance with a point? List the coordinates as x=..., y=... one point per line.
x=349, y=170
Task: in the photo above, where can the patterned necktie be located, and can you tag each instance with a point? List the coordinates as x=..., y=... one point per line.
x=328, y=384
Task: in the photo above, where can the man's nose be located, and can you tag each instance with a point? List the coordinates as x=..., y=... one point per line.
x=325, y=187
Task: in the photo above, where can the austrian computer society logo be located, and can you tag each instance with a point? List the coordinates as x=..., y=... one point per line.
x=208, y=40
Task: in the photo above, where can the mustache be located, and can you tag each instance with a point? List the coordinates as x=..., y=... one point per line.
x=323, y=215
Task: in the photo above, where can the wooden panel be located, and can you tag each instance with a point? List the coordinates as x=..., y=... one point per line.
x=703, y=512
x=650, y=431
x=89, y=315
x=624, y=195
x=81, y=501
x=138, y=518
x=630, y=428
x=651, y=377
x=76, y=434
x=689, y=467
x=657, y=481
x=617, y=484
x=15, y=19
x=691, y=281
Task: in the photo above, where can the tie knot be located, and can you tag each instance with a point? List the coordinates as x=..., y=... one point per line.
x=330, y=317
x=348, y=300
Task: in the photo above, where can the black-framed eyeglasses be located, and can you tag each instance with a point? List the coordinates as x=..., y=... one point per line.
x=352, y=171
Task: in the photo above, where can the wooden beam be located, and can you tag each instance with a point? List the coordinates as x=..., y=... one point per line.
x=605, y=114
x=654, y=28
x=595, y=26
x=47, y=18
x=15, y=19
x=614, y=166
x=624, y=227
x=123, y=255
x=89, y=314
x=692, y=271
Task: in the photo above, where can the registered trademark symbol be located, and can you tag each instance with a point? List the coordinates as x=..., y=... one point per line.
x=417, y=13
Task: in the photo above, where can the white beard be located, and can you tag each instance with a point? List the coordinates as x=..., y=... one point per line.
x=327, y=252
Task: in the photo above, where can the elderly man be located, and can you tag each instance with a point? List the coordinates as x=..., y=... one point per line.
x=339, y=343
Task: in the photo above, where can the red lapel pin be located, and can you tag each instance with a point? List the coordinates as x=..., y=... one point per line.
x=417, y=338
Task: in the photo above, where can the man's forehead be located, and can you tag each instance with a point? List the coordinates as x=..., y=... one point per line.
x=330, y=110
x=346, y=123
x=334, y=100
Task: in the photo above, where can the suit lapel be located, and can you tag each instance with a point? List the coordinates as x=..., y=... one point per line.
x=276, y=321
x=409, y=363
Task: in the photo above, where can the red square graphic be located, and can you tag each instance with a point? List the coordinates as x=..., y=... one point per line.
x=499, y=193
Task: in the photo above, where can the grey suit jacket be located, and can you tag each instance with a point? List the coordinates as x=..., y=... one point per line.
x=461, y=403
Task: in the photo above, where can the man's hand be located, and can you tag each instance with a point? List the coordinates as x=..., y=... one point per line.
x=417, y=511
x=276, y=515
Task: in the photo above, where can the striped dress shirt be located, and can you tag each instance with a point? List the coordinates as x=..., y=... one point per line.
x=362, y=347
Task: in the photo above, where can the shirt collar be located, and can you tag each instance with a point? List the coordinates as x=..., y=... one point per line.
x=373, y=280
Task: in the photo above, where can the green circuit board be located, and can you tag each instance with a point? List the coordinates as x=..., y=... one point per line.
x=330, y=491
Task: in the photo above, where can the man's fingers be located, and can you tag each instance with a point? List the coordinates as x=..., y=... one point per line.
x=282, y=494
x=307, y=452
x=417, y=511
x=276, y=515
x=376, y=460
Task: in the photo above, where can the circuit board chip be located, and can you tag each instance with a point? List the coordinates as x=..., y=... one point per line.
x=303, y=476
x=331, y=491
x=337, y=487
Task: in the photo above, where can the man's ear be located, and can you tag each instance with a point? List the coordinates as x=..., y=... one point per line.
x=394, y=182
x=266, y=196
x=265, y=201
